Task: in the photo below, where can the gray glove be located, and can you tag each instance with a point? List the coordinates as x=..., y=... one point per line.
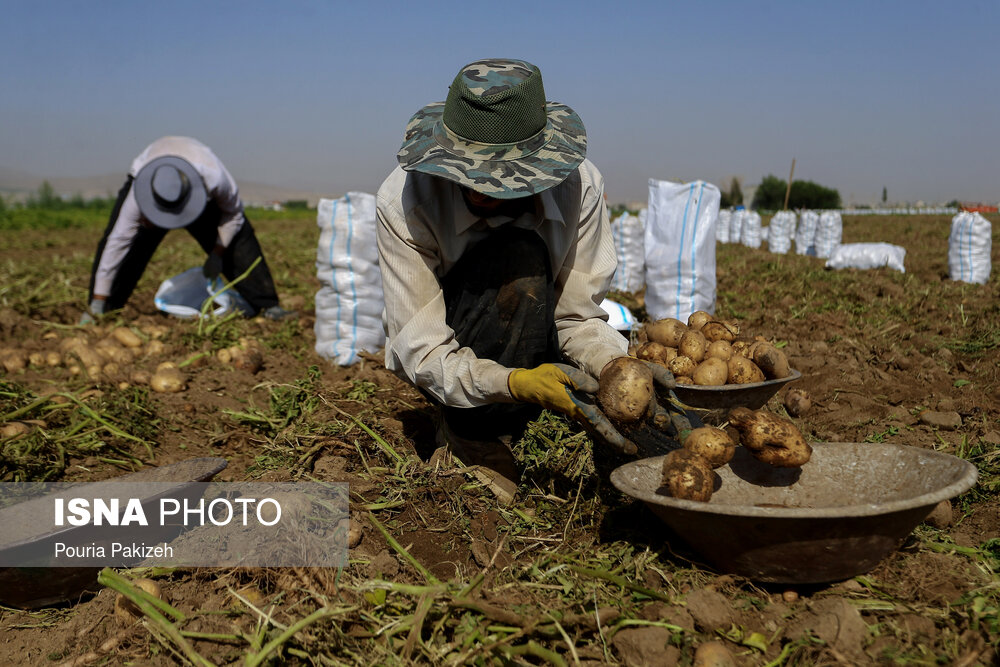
x=94, y=311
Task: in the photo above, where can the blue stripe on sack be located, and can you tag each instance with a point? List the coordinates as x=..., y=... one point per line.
x=680, y=253
x=972, y=266
x=620, y=279
x=957, y=233
x=694, y=245
x=333, y=278
x=350, y=270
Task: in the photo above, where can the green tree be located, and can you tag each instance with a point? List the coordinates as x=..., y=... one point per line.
x=770, y=194
x=806, y=194
x=46, y=197
x=733, y=196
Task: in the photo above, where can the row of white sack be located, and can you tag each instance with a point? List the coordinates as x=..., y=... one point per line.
x=678, y=264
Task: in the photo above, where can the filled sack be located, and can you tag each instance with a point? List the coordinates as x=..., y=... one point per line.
x=349, y=302
x=680, y=248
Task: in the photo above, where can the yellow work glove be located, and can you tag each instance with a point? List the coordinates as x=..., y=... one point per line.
x=549, y=385
x=561, y=388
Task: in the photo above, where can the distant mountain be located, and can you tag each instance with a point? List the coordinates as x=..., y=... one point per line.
x=18, y=185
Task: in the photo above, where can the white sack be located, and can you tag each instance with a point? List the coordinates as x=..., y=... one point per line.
x=349, y=302
x=183, y=296
x=867, y=256
x=619, y=317
x=680, y=248
x=750, y=234
x=736, y=225
x=829, y=233
x=805, y=234
x=722, y=225
x=630, y=245
x=780, y=231
x=969, y=248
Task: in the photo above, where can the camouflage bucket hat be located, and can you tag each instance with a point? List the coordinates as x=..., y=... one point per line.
x=495, y=133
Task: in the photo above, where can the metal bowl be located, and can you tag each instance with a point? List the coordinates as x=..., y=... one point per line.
x=31, y=587
x=753, y=396
x=835, y=517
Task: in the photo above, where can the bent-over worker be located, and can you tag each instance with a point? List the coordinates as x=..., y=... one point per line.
x=495, y=250
x=178, y=182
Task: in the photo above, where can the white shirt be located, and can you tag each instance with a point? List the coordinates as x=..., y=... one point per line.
x=219, y=184
x=424, y=227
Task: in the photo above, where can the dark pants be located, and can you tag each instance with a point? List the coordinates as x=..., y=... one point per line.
x=257, y=288
x=500, y=300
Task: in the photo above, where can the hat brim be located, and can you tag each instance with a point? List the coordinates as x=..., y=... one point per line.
x=503, y=171
x=173, y=217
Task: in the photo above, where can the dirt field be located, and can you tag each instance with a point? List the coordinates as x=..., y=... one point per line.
x=573, y=572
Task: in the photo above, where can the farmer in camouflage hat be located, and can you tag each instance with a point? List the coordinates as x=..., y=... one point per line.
x=495, y=250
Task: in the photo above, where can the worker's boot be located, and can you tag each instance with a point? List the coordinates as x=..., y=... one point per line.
x=490, y=461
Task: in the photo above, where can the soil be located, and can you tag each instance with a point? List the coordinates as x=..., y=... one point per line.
x=910, y=359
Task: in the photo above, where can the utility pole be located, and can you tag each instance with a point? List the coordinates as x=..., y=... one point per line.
x=788, y=190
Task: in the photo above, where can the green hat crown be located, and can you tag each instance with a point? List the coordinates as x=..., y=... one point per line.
x=496, y=102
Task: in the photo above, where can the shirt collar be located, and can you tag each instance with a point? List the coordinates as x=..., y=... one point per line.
x=546, y=208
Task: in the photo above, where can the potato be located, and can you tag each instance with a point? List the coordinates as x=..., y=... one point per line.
x=87, y=355
x=720, y=349
x=797, y=402
x=771, y=438
x=682, y=366
x=742, y=348
x=249, y=360
x=13, y=360
x=112, y=351
x=713, y=654
x=712, y=372
x=12, y=429
x=698, y=319
x=683, y=379
x=626, y=387
x=712, y=444
x=155, y=348
x=743, y=371
x=688, y=476
x=713, y=331
x=127, y=611
x=771, y=361
x=36, y=359
x=53, y=358
x=140, y=377
x=668, y=354
x=167, y=380
x=652, y=351
x=667, y=331
x=126, y=337
x=693, y=345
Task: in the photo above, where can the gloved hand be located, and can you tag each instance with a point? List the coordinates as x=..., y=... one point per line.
x=94, y=310
x=213, y=266
x=552, y=387
x=549, y=385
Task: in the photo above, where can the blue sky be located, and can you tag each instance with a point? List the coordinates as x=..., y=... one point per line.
x=315, y=95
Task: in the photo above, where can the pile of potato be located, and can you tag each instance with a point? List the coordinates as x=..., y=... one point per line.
x=119, y=355
x=710, y=352
x=770, y=438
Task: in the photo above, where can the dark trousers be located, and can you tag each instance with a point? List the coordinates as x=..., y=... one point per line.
x=500, y=300
x=257, y=288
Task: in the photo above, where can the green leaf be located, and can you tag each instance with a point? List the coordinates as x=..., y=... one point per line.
x=961, y=383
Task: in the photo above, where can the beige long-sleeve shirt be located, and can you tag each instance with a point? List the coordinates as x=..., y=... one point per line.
x=424, y=227
x=221, y=189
